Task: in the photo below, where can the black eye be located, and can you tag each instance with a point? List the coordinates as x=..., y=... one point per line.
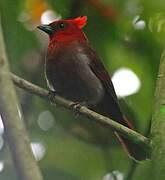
x=62, y=25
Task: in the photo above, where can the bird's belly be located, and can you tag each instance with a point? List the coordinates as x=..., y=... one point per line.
x=75, y=86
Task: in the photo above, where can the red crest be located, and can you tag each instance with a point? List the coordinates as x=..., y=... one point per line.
x=80, y=21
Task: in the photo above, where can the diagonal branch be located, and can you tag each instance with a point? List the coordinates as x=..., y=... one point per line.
x=128, y=133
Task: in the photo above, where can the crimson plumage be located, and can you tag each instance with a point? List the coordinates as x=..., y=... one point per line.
x=74, y=70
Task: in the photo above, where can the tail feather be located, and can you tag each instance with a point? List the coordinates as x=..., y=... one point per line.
x=135, y=151
x=110, y=108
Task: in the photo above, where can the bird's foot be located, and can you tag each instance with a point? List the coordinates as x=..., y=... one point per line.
x=51, y=96
x=76, y=107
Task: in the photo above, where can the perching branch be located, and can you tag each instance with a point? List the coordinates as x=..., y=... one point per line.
x=130, y=134
x=15, y=131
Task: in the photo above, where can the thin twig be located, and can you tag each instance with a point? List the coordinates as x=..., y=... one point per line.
x=128, y=133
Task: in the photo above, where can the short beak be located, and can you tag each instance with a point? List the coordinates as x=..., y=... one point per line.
x=45, y=28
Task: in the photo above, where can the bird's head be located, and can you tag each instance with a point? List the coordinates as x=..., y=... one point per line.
x=65, y=30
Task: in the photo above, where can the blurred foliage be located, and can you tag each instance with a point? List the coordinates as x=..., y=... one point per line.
x=72, y=151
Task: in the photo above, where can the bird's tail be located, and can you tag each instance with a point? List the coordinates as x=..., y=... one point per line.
x=135, y=151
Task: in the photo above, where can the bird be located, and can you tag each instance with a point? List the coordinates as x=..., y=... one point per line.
x=75, y=71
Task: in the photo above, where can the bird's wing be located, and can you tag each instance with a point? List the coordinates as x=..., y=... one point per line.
x=109, y=104
x=99, y=70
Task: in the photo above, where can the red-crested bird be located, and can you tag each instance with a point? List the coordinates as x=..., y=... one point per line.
x=74, y=71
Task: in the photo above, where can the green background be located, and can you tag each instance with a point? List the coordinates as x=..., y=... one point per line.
x=74, y=151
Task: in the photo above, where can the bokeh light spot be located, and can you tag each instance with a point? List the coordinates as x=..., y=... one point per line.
x=138, y=24
x=125, y=82
x=1, y=142
x=38, y=150
x=1, y=126
x=49, y=16
x=1, y=166
x=46, y=120
x=115, y=175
